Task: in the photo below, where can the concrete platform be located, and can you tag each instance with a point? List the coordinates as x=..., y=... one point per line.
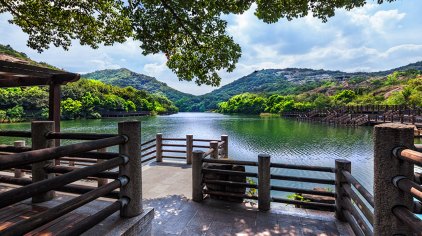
x=167, y=188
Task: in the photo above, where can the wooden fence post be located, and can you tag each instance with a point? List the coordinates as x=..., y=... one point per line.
x=197, y=186
x=214, y=146
x=159, y=147
x=386, y=138
x=189, y=148
x=340, y=182
x=132, y=169
x=225, y=139
x=18, y=172
x=264, y=182
x=101, y=181
x=39, y=130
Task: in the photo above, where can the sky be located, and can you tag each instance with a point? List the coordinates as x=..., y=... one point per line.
x=372, y=38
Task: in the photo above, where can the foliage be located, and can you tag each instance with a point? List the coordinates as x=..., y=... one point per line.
x=298, y=197
x=81, y=99
x=406, y=91
x=191, y=33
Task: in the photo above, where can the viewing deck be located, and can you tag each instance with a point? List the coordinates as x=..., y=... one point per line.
x=176, y=214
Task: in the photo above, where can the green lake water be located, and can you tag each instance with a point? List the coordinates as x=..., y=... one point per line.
x=287, y=141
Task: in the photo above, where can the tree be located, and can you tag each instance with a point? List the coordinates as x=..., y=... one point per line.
x=192, y=33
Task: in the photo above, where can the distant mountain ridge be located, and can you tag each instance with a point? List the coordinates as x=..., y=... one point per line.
x=289, y=81
x=124, y=77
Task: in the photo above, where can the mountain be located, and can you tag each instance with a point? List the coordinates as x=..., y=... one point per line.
x=7, y=53
x=124, y=77
x=289, y=81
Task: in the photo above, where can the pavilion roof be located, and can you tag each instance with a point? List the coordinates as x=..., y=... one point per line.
x=17, y=74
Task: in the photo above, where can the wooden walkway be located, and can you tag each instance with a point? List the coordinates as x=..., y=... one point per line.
x=167, y=188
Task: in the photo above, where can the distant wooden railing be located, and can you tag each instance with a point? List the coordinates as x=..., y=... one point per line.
x=40, y=160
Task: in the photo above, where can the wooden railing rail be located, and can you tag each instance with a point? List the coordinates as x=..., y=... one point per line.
x=44, y=181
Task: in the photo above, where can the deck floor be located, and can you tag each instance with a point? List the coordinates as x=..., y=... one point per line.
x=167, y=188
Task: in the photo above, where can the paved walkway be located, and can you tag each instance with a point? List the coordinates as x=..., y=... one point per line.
x=167, y=188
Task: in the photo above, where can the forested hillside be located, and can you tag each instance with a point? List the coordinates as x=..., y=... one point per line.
x=398, y=88
x=124, y=77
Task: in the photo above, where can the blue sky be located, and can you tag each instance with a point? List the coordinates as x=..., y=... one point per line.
x=372, y=38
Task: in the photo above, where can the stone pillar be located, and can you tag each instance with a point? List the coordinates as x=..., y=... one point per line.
x=340, y=182
x=19, y=143
x=386, y=167
x=197, y=186
x=214, y=146
x=264, y=182
x=133, y=169
x=225, y=139
x=39, y=130
x=189, y=148
x=159, y=147
x=101, y=181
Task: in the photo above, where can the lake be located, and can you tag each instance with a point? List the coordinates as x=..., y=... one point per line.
x=287, y=141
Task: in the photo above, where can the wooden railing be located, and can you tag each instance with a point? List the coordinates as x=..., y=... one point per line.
x=264, y=184
x=45, y=181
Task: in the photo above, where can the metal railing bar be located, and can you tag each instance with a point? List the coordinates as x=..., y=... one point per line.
x=173, y=145
x=200, y=146
x=149, y=147
x=408, y=186
x=232, y=162
x=42, y=218
x=365, y=193
x=229, y=172
x=353, y=223
x=67, y=169
x=174, y=151
x=408, y=218
x=13, y=149
x=408, y=155
x=148, y=153
x=69, y=188
x=34, y=156
x=226, y=194
x=205, y=140
x=367, y=229
x=303, y=179
x=300, y=190
x=174, y=139
x=148, y=142
x=360, y=204
x=328, y=206
x=230, y=183
x=19, y=194
x=13, y=133
x=78, y=136
x=148, y=159
x=303, y=167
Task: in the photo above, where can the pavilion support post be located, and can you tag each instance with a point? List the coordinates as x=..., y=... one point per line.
x=197, y=184
x=387, y=137
x=133, y=169
x=159, y=147
x=264, y=185
x=39, y=130
x=341, y=165
x=18, y=172
x=225, y=139
x=54, y=111
x=189, y=148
